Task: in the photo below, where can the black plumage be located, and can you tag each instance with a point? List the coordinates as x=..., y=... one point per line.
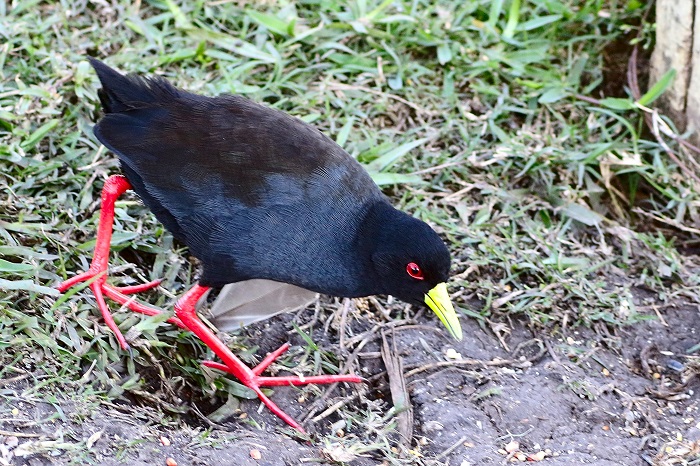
x=256, y=193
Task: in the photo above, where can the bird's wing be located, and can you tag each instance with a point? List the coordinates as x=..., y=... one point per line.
x=246, y=302
x=177, y=141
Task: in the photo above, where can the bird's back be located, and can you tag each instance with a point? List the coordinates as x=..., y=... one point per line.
x=243, y=185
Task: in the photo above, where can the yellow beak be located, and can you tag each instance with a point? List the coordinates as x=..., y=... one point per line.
x=438, y=300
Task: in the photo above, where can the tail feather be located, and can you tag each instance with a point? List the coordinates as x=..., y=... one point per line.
x=243, y=303
x=121, y=93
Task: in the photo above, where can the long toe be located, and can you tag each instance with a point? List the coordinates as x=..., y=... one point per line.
x=138, y=288
x=270, y=358
x=90, y=276
x=297, y=380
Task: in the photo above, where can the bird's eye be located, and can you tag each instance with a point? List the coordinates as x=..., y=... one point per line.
x=414, y=271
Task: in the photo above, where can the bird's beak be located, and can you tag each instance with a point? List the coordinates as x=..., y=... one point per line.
x=438, y=300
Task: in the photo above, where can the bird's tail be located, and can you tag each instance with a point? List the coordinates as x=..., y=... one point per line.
x=121, y=93
x=243, y=303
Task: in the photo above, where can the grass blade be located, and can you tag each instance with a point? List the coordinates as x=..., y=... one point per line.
x=513, y=18
x=658, y=88
x=391, y=157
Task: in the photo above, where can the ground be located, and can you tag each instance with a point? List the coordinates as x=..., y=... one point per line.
x=580, y=398
x=525, y=133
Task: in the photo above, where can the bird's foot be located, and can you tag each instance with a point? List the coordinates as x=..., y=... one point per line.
x=96, y=275
x=256, y=382
x=97, y=281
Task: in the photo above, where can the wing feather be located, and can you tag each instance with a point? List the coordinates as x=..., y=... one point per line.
x=243, y=303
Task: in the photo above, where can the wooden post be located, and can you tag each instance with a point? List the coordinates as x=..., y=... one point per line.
x=678, y=47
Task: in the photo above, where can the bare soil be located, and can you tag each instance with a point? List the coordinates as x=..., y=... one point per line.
x=581, y=396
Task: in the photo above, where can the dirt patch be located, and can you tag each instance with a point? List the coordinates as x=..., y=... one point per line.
x=579, y=397
x=583, y=402
x=136, y=436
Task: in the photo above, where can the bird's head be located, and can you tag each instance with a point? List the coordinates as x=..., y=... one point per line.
x=412, y=263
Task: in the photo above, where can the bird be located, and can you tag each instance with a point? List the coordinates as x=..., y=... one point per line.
x=274, y=210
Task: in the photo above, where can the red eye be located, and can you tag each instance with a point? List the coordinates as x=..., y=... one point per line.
x=414, y=271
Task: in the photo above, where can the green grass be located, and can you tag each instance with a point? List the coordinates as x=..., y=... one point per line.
x=468, y=113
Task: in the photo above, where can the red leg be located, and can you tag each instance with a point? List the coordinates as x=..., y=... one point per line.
x=185, y=311
x=113, y=188
x=186, y=316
